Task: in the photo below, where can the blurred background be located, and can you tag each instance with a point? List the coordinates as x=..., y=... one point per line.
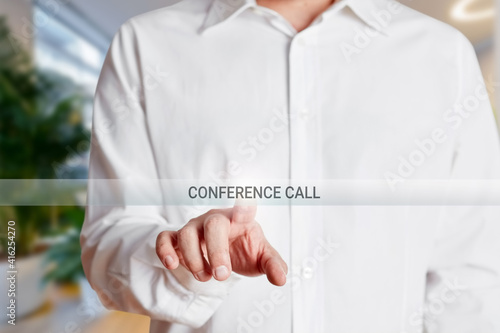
x=51, y=52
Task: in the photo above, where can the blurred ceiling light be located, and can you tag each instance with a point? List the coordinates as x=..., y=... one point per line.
x=461, y=11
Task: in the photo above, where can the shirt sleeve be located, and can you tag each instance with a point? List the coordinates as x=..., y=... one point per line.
x=463, y=290
x=118, y=240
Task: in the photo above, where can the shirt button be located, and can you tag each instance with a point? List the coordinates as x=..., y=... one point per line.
x=186, y=298
x=307, y=272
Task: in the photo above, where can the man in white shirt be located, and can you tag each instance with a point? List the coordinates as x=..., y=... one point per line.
x=282, y=91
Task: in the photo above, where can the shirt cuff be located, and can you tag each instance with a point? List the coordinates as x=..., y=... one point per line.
x=203, y=298
x=195, y=301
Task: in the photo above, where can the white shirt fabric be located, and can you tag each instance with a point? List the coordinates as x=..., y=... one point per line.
x=228, y=89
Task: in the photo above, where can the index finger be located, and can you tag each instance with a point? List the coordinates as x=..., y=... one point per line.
x=244, y=211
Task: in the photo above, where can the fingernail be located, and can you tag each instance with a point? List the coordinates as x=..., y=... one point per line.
x=168, y=261
x=221, y=272
x=202, y=276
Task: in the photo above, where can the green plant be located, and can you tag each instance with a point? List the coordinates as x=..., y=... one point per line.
x=64, y=260
x=40, y=128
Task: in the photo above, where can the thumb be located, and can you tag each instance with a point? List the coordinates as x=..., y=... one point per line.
x=274, y=267
x=244, y=211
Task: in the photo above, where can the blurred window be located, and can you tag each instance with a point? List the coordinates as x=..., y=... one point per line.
x=61, y=48
x=69, y=44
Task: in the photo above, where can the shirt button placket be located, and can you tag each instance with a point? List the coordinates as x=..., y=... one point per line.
x=298, y=170
x=305, y=150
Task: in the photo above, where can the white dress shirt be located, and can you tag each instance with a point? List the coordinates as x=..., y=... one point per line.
x=209, y=90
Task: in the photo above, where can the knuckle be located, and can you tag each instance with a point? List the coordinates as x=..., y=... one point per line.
x=162, y=238
x=212, y=221
x=187, y=232
x=254, y=230
x=212, y=211
x=194, y=264
x=217, y=256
